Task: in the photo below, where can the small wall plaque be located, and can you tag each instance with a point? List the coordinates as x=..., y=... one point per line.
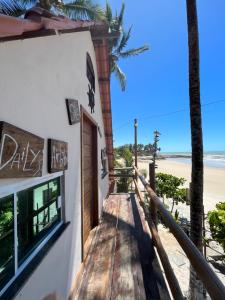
x=21, y=152
x=99, y=131
x=57, y=156
x=104, y=162
x=91, y=85
x=73, y=111
x=91, y=98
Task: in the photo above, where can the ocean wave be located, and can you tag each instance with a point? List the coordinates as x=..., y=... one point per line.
x=214, y=157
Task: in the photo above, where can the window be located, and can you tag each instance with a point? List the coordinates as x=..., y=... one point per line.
x=28, y=217
x=6, y=239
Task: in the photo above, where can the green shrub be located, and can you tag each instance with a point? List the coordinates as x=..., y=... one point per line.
x=171, y=187
x=216, y=220
x=126, y=157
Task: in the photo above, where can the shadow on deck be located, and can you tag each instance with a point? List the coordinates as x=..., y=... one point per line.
x=121, y=262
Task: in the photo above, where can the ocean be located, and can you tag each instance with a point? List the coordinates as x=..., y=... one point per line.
x=213, y=159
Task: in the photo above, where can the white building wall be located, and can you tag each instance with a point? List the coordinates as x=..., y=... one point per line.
x=36, y=76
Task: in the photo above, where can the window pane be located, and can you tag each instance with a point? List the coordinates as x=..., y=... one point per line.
x=38, y=213
x=54, y=188
x=6, y=240
x=40, y=196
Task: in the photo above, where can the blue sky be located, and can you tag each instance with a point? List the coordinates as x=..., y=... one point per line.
x=157, y=81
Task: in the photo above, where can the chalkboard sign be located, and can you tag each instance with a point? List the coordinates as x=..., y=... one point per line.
x=57, y=156
x=21, y=152
x=73, y=111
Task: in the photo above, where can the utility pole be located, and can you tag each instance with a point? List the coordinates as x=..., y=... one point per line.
x=135, y=143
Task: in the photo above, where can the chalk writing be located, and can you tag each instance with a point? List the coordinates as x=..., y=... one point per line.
x=21, y=152
x=57, y=156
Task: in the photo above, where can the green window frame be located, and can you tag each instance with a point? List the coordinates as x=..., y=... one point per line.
x=7, y=270
x=28, y=218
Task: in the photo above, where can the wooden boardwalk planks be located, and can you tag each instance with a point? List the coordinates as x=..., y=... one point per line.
x=155, y=286
x=121, y=260
x=127, y=278
x=96, y=281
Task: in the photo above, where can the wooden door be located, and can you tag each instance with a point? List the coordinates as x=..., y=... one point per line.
x=89, y=177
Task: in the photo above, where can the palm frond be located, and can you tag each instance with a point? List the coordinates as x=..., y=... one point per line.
x=12, y=8
x=133, y=52
x=120, y=16
x=83, y=10
x=27, y=2
x=116, y=25
x=108, y=14
x=119, y=74
x=48, y=4
x=124, y=40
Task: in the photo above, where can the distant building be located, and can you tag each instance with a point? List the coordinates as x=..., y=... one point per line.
x=56, y=149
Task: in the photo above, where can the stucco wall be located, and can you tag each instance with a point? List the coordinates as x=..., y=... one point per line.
x=36, y=76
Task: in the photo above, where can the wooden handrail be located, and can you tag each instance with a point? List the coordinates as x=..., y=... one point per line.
x=171, y=278
x=121, y=175
x=123, y=169
x=214, y=286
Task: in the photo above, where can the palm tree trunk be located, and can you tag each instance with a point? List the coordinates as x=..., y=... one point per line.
x=196, y=139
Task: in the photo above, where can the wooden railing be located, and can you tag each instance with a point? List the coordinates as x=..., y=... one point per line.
x=126, y=172
x=213, y=285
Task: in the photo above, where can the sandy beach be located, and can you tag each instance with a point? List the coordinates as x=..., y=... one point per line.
x=214, y=179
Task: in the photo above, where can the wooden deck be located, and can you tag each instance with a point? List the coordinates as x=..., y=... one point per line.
x=121, y=262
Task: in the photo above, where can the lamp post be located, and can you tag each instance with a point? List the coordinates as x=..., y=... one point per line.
x=152, y=165
x=152, y=168
x=155, y=145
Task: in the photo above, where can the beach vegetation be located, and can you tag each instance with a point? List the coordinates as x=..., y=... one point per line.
x=216, y=220
x=142, y=150
x=123, y=159
x=170, y=186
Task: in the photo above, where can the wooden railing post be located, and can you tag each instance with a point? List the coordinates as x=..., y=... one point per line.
x=152, y=185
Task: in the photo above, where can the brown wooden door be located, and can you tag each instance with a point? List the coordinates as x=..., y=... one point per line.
x=89, y=176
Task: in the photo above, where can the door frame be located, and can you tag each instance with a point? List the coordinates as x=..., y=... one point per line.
x=94, y=124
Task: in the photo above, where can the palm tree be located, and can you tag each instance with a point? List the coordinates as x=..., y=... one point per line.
x=197, y=141
x=85, y=10
x=78, y=9
x=11, y=8
x=118, y=44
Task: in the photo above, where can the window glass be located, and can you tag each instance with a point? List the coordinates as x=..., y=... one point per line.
x=38, y=212
x=6, y=239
